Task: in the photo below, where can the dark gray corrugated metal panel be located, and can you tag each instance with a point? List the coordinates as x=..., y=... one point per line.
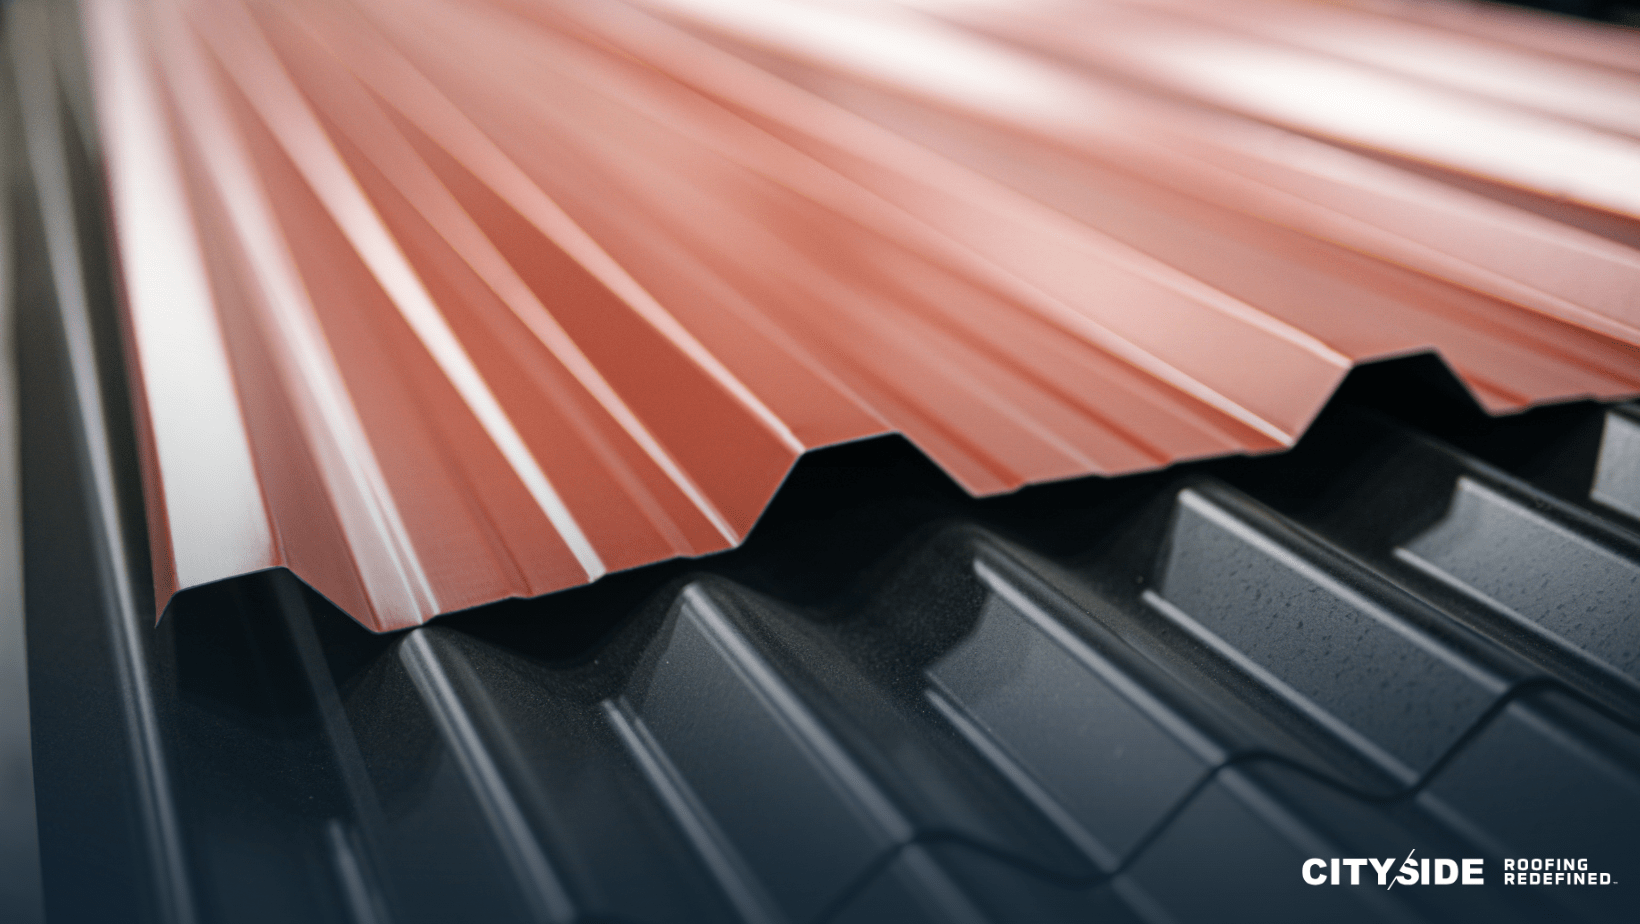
x=1148, y=698
x=432, y=333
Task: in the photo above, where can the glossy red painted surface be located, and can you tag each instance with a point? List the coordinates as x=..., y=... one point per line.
x=440, y=302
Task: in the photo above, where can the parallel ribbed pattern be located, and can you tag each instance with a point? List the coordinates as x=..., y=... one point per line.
x=436, y=303
x=1065, y=756
x=1057, y=706
x=1221, y=692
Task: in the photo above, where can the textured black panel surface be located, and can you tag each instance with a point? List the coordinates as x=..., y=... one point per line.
x=1617, y=480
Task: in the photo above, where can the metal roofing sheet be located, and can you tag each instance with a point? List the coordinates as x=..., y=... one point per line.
x=436, y=303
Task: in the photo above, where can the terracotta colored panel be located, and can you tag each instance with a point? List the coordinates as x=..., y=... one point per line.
x=437, y=303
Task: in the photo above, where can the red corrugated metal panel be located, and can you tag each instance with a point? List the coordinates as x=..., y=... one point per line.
x=436, y=303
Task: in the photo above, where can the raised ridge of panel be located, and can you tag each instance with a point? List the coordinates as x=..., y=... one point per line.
x=476, y=784
x=1331, y=641
x=1616, y=482
x=1507, y=554
x=901, y=751
x=1546, y=575
x=745, y=763
x=1068, y=726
